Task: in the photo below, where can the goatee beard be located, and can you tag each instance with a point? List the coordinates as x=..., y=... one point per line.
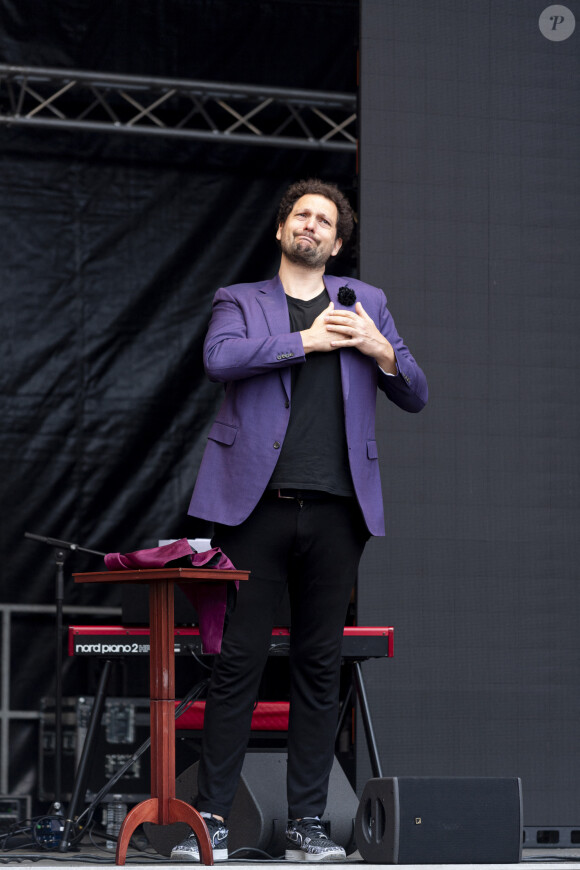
x=310, y=256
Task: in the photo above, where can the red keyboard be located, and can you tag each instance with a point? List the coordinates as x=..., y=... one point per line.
x=358, y=643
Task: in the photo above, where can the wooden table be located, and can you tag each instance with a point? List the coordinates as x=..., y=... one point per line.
x=162, y=808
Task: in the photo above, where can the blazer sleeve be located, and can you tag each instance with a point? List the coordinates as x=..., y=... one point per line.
x=239, y=344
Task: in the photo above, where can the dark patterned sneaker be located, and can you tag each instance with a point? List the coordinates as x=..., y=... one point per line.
x=188, y=850
x=306, y=840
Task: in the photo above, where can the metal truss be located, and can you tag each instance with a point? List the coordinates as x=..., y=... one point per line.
x=180, y=108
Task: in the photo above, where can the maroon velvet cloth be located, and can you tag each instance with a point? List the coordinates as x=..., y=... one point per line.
x=209, y=599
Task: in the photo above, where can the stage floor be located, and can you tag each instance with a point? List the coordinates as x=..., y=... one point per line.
x=543, y=859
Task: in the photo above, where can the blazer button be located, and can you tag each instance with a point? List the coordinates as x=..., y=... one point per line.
x=286, y=404
x=276, y=445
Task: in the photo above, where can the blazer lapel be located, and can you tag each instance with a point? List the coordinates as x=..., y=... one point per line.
x=332, y=284
x=272, y=300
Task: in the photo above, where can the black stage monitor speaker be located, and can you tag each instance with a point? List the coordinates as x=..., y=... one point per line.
x=440, y=820
x=260, y=811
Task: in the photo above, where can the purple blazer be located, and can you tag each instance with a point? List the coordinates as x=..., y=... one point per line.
x=249, y=347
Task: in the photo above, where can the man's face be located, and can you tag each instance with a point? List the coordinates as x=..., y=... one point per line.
x=308, y=236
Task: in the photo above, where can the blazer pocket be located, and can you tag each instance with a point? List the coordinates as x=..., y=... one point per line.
x=372, y=452
x=222, y=433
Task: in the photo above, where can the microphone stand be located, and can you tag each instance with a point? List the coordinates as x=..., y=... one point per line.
x=60, y=555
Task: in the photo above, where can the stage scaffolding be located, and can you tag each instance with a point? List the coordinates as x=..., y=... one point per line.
x=7, y=713
x=179, y=108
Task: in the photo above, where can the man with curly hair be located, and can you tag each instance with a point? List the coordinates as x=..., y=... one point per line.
x=290, y=478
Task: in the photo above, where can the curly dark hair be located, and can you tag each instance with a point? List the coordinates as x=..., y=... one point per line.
x=345, y=220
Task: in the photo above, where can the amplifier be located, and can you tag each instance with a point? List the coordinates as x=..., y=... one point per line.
x=124, y=727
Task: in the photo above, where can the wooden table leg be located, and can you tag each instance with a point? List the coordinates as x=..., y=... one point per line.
x=163, y=808
x=177, y=811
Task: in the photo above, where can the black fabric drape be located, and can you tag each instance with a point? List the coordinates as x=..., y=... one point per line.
x=111, y=251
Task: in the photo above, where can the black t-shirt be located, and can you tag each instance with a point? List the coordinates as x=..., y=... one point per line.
x=314, y=454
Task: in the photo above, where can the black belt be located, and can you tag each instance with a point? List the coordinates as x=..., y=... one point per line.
x=301, y=494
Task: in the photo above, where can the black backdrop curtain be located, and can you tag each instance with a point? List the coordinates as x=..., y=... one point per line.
x=111, y=250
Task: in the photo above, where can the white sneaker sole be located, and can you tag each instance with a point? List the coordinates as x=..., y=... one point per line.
x=192, y=858
x=300, y=855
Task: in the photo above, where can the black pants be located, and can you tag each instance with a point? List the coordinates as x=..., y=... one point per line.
x=314, y=547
